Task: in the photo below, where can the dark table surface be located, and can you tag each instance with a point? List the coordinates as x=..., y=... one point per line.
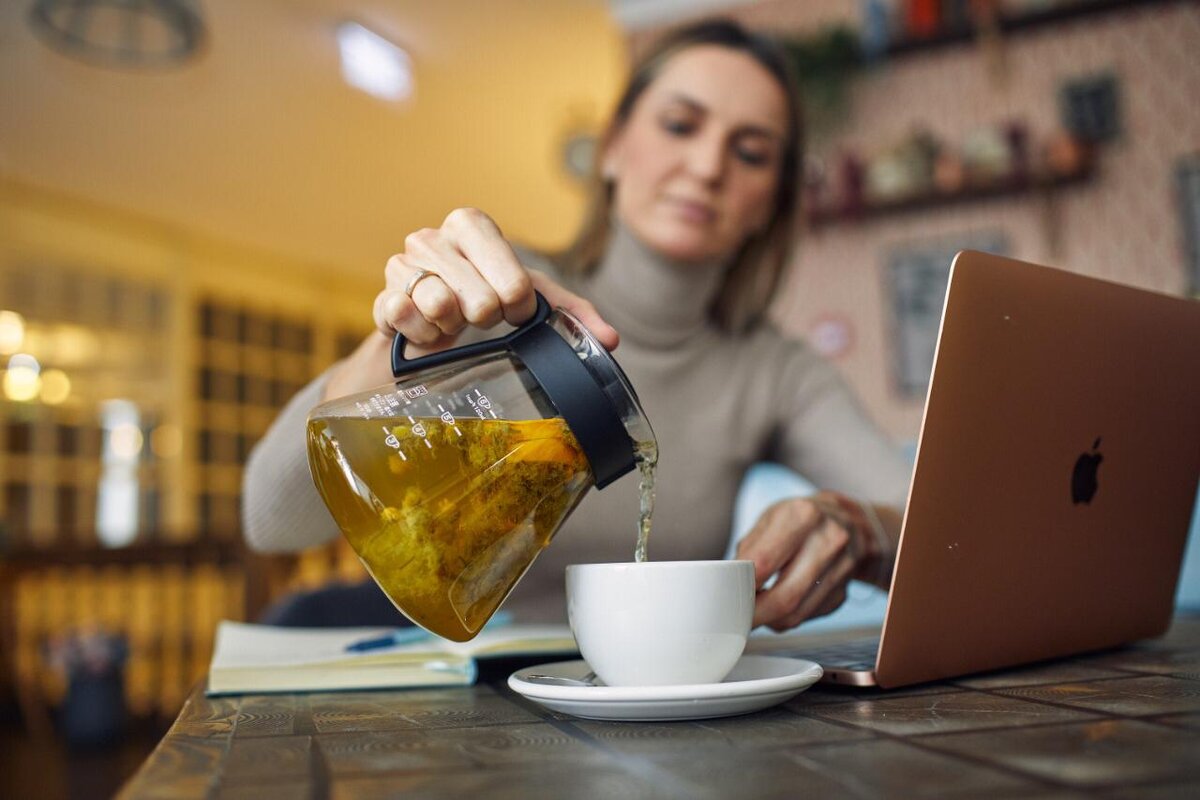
x=1119, y=724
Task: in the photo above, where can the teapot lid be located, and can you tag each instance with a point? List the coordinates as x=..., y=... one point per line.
x=580, y=395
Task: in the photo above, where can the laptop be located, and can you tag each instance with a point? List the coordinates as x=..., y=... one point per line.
x=1056, y=472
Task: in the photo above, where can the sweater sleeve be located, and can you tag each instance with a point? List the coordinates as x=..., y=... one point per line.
x=827, y=436
x=281, y=509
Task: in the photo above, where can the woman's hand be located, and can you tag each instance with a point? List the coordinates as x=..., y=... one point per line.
x=462, y=274
x=465, y=273
x=814, y=546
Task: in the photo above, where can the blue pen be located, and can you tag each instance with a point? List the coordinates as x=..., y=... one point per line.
x=396, y=637
x=414, y=634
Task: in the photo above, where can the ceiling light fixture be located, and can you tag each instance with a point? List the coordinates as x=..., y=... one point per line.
x=121, y=33
x=373, y=64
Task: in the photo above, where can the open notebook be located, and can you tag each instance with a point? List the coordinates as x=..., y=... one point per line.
x=251, y=658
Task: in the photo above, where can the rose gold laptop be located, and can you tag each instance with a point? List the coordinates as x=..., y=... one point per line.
x=1056, y=472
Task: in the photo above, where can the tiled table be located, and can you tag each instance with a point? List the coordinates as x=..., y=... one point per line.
x=1121, y=724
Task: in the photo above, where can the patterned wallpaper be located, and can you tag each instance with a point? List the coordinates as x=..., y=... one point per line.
x=1124, y=225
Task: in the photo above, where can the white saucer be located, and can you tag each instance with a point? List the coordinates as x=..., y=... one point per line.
x=756, y=682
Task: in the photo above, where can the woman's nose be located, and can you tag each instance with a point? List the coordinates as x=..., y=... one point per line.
x=706, y=159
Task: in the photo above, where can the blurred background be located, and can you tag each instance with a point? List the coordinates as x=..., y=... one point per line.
x=197, y=198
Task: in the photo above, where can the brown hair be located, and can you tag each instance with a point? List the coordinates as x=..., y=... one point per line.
x=752, y=278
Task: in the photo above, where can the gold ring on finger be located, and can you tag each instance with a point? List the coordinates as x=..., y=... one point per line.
x=415, y=279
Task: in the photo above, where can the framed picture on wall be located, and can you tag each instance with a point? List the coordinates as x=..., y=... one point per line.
x=1188, y=185
x=916, y=276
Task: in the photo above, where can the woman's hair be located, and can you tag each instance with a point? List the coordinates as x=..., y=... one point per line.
x=754, y=274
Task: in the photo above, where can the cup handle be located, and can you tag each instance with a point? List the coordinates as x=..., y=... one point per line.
x=402, y=366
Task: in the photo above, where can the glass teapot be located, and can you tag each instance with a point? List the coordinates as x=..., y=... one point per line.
x=450, y=481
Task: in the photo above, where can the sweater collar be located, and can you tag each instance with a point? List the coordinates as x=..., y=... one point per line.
x=650, y=299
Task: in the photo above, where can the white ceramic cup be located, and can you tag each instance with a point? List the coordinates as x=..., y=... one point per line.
x=661, y=623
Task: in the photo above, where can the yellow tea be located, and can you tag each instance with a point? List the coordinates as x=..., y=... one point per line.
x=447, y=516
x=646, y=454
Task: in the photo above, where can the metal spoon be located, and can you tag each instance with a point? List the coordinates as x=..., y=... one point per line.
x=556, y=680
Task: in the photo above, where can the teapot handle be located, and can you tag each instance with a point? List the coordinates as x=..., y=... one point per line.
x=402, y=366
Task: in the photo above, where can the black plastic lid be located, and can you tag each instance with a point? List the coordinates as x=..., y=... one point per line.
x=582, y=397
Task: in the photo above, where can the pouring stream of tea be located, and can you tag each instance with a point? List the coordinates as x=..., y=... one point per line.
x=647, y=458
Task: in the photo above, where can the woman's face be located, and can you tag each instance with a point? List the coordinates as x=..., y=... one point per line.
x=697, y=164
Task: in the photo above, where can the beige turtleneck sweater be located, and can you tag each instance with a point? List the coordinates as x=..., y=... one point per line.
x=718, y=403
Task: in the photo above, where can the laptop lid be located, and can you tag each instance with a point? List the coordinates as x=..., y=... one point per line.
x=1056, y=471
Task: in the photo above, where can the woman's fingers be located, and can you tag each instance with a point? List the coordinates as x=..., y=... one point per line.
x=795, y=581
x=441, y=252
x=416, y=285
x=818, y=596
x=832, y=602
x=778, y=536
x=810, y=554
x=465, y=273
x=396, y=313
x=498, y=287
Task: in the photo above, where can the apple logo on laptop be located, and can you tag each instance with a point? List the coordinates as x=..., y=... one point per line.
x=1083, y=478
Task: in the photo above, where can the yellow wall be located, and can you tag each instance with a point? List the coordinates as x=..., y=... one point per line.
x=259, y=140
x=39, y=225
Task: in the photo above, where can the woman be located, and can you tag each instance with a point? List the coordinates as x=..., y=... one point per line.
x=690, y=228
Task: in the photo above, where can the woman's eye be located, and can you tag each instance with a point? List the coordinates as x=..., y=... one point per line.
x=678, y=127
x=752, y=157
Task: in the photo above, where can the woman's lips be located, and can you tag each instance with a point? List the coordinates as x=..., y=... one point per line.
x=692, y=211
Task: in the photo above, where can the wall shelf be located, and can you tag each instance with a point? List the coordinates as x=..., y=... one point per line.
x=1025, y=22
x=1000, y=188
